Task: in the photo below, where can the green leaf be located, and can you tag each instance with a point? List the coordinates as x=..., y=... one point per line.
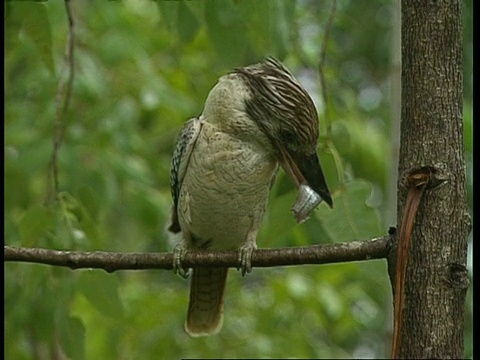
x=72, y=337
x=288, y=10
x=353, y=147
x=279, y=220
x=332, y=168
x=35, y=224
x=87, y=196
x=330, y=299
x=351, y=218
x=226, y=31
x=169, y=11
x=187, y=24
x=101, y=290
x=268, y=24
x=77, y=222
x=468, y=127
x=197, y=8
x=37, y=26
x=282, y=19
x=257, y=17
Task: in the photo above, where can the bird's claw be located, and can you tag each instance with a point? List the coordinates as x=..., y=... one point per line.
x=245, y=258
x=178, y=256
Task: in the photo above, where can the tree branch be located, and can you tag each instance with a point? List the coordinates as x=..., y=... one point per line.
x=376, y=248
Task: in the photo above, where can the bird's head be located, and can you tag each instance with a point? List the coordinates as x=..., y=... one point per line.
x=286, y=114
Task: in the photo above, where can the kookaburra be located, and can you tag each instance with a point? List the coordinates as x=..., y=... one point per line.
x=225, y=162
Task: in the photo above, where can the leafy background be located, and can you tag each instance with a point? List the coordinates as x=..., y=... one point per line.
x=141, y=69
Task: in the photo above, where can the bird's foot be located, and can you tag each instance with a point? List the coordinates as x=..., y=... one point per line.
x=245, y=257
x=179, y=253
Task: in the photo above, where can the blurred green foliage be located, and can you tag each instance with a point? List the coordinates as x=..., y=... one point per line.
x=141, y=69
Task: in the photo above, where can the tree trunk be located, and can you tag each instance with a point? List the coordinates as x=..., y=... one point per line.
x=432, y=135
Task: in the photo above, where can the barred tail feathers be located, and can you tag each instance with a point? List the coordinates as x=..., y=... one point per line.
x=207, y=293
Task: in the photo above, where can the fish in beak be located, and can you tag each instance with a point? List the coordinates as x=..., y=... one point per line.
x=307, y=174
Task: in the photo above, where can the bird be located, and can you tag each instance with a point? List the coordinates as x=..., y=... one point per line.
x=255, y=120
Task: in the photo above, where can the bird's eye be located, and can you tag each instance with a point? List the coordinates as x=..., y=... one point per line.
x=287, y=137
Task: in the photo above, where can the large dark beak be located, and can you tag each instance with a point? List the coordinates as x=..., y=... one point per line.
x=305, y=170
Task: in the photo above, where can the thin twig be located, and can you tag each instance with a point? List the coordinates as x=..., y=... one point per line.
x=61, y=111
x=321, y=65
x=109, y=261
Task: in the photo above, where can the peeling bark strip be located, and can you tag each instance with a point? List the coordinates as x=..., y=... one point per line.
x=109, y=261
x=416, y=181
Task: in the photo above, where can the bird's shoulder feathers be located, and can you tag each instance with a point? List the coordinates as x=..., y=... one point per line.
x=185, y=144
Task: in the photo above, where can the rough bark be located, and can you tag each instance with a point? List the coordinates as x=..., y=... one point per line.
x=432, y=135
